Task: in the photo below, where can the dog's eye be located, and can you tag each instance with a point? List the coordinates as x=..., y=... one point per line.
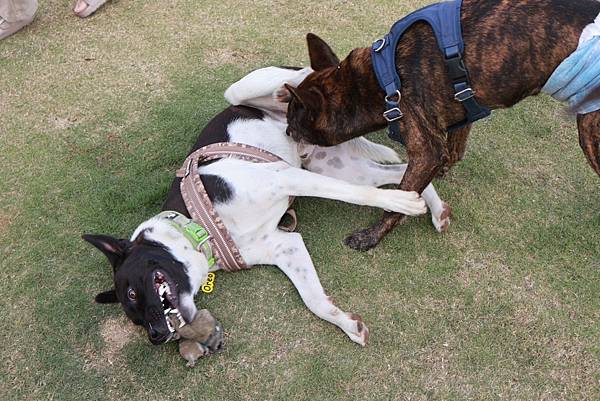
x=131, y=294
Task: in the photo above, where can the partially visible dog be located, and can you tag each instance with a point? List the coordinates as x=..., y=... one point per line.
x=512, y=47
x=251, y=198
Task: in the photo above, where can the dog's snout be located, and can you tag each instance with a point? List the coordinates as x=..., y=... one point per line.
x=158, y=336
x=153, y=333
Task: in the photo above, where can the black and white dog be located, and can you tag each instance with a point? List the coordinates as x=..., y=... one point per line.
x=251, y=198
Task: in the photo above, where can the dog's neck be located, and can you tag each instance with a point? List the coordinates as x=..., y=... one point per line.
x=162, y=232
x=353, y=79
x=371, y=100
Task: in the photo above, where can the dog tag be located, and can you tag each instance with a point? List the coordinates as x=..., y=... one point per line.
x=209, y=285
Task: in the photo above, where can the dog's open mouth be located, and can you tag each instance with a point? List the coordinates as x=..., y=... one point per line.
x=167, y=293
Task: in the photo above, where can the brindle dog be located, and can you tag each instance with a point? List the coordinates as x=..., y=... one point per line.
x=511, y=49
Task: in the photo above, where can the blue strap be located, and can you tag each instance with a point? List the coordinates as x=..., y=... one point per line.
x=444, y=18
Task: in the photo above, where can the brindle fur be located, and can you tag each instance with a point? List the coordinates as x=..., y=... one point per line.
x=511, y=49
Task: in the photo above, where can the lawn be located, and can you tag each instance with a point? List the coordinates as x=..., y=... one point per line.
x=97, y=114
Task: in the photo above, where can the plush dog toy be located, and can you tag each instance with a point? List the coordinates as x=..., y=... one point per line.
x=201, y=337
x=191, y=351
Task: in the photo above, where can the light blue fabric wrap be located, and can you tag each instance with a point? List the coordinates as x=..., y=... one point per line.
x=577, y=77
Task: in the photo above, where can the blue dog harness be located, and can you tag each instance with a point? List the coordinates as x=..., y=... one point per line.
x=444, y=19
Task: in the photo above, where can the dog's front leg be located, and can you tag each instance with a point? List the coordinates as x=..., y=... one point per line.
x=292, y=257
x=298, y=182
x=457, y=146
x=383, y=174
x=427, y=153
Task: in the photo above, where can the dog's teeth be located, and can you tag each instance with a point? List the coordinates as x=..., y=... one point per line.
x=175, y=311
x=181, y=321
x=170, y=326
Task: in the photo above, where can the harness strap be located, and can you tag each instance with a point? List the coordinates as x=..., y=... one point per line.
x=444, y=19
x=461, y=83
x=200, y=207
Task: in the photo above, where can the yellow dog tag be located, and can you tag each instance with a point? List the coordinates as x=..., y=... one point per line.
x=209, y=285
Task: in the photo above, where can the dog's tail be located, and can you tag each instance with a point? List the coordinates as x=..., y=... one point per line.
x=362, y=147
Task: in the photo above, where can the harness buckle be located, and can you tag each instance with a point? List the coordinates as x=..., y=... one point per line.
x=393, y=114
x=380, y=46
x=464, y=95
x=388, y=98
x=203, y=240
x=456, y=68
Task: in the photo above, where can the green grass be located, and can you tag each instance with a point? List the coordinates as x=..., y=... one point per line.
x=97, y=114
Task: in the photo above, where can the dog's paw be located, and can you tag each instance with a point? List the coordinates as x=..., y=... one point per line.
x=363, y=240
x=191, y=351
x=442, y=222
x=282, y=95
x=358, y=332
x=409, y=203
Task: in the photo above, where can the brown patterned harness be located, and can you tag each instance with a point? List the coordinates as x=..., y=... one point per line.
x=200, y=207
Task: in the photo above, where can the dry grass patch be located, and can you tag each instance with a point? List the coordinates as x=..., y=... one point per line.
x=116, y=333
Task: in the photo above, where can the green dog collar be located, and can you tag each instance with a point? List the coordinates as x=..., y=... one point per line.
x=194, y=233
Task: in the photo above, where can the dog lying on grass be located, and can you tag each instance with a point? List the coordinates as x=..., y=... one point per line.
x=251, y=198
x=511, y=50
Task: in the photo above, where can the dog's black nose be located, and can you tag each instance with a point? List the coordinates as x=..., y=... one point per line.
x=154, y=334
x=156, y=337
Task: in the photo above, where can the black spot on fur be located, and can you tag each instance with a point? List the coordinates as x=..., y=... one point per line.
x=217, y=188
x=216, y=129
x=214, y=132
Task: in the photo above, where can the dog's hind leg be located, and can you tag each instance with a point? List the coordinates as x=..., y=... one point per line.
x=291, y=256
x=589, y=138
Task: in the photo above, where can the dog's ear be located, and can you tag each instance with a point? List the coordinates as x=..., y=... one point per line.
x=310, y=98
x=107, y=297
x=283, y=94
x=321, y=55
x=114, y=249
x=286, y=93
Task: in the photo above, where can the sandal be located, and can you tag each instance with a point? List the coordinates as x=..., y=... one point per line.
x=84, y=8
